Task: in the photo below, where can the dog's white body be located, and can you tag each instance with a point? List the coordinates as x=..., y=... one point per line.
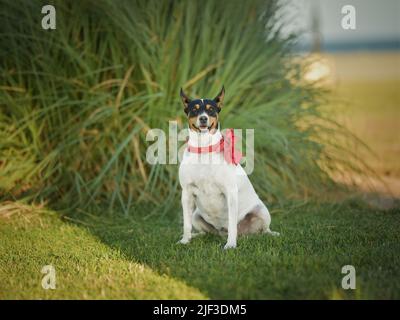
x=218, y=196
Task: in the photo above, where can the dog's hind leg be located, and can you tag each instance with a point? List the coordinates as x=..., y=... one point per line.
x=201, y=225
x=257, y=220
x=264, y=213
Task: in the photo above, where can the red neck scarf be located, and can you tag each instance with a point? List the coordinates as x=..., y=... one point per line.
x=225, y=145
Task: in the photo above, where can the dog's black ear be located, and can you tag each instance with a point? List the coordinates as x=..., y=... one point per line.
x=219, y=99
x=185, y=100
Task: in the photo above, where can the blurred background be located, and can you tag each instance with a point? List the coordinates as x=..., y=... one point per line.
x=361, y=68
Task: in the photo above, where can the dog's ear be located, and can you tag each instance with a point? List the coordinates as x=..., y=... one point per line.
x=185, y=101
x=219, y=99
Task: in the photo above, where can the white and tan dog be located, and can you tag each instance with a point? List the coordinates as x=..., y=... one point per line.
x=217, y=195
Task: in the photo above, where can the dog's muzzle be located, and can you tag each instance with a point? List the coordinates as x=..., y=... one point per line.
x=203, y=122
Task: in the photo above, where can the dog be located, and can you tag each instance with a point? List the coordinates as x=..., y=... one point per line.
x=217, y=195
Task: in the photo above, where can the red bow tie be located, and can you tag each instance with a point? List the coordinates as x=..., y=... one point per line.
x=226, y=145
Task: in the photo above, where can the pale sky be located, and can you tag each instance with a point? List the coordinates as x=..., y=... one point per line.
x=376, y=20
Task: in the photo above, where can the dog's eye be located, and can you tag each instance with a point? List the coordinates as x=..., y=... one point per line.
x=210, y=109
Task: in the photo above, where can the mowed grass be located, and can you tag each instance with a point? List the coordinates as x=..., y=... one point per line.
x=128, y=258
x=85, y=267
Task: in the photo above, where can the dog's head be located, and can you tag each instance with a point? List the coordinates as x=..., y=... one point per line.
x=202, y=114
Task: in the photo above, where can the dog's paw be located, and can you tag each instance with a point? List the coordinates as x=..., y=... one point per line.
x=196, y=234
x=183, y=241
x=273, y=233
x=230, y=246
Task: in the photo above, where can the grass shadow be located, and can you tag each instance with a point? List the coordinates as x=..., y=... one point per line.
x=305, y=262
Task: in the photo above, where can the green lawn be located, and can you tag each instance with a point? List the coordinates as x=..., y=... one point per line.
x=139, y=259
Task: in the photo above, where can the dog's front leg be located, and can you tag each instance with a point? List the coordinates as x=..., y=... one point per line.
x=232, y=201
x=187, y=207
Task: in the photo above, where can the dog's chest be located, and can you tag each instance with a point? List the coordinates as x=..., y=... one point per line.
x=208, y=190
x=208, y=183
x=211, y=201
x=206, y=174
x=204, y=180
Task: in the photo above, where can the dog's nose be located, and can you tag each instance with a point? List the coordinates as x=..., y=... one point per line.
x=203, y=119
